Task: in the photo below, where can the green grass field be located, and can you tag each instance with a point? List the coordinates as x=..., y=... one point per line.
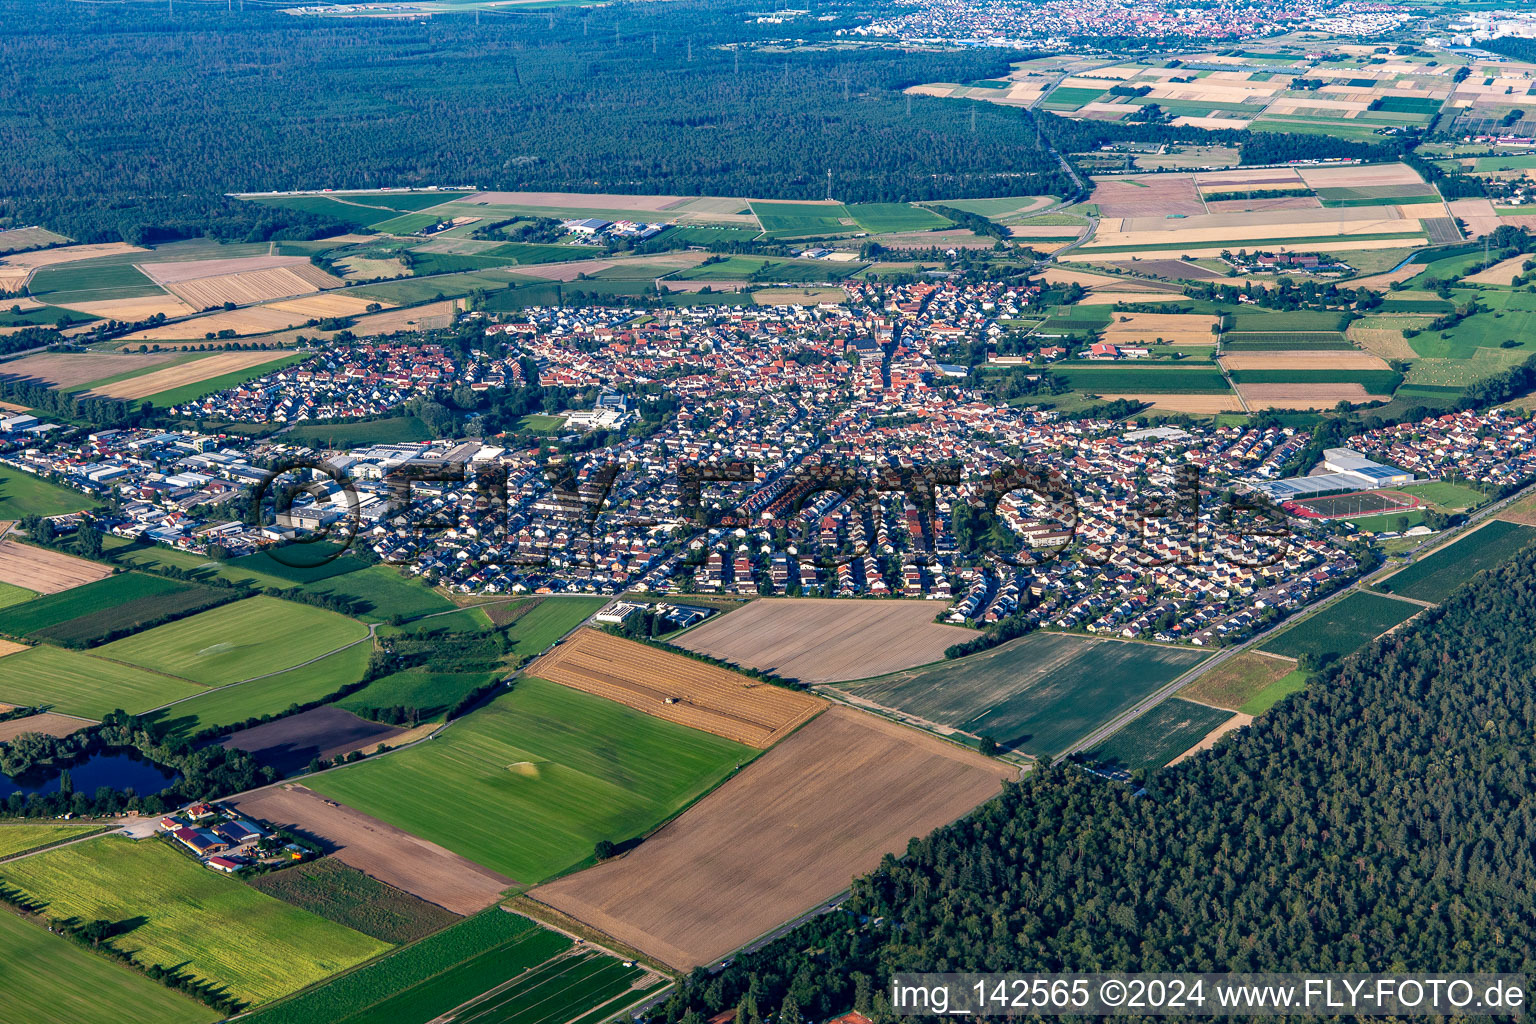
x=1447, y=495
x=16, y=839
x=559, y=989
x=1274, y=693
x=1270, y=341
x=427, y=978
x=22, y=494
x=127, y=553
x=1435, y=576
x=1148, y=377
x=1160, y=735
x=538, y=423
x=408, y=223
x=568, y=768
x=213, y=926
x=551, y=620
x=120, y=601
x=1037, y=694
x=380, y=593
x=79, y=684
x=1236, y=680
x=879, y=218
x=360, y=210
x=431, y=693
x=1375, y=382
x=232, y=705
x=238, y=641
x=391, y=430
x=345, y=895
x=465, y=620
x=10, y=594
x=1342, y=628
x=301, y=563
x=785, y=220
x=1299, y=320
x=49, y=978
x=91, y=281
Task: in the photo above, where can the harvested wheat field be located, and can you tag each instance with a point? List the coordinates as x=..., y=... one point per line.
x=797, y=296
x=1247, y=179
x=787, y=833
x=206, y=283
x=1055, y=275
x=360, y=268
x=45, y=571
x=1502, y=273
x=378, y=849
x=1111, y=298
x=253, y=320
x=1304, y=396
x=1382, y=341
x=47, y=724
x=134, y=310
x=13, y=279
x=1359, y=176
x=1173, y=328
x=10, y=647
x=68, y=254
x=191, y=372
x=1382, y=282
x=319, y=307
x=825, y=640
x=1195, y=405
x=1263, y=205
x=1479, y=214
x=677, y=688
x=1303, y=359
x=67, y=369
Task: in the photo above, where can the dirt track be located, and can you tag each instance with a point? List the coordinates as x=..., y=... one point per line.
x=789, y=832
x=421, y=868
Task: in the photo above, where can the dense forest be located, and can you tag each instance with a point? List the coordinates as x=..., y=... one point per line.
x=1383, y=819
x=124, y=119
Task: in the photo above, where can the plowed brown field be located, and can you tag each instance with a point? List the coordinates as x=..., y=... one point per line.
x=45, y=571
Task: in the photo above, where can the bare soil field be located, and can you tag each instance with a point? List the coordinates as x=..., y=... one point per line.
x=1152, y=196
x=1197, y=405
x=677, y=688
x=1304, y=360
x=327, y=305
x=1381, y=282
x=788, y=832
x=1359, y=176
x=1479, y=214
x=1243, y=178
x=797, y=296
x=134, y=310
x=67, y=369
x=1056, y=275
x=1217, y=123
x=185, y=373
x=378, y=849
x=48, y=724
x=1176, y=268
x=1303, y=396
x=1502, y=273
x=359, y=268
x=1237, y=721
x=818, y=640
x=45, y=571
x=289, y=744
x=1147, y=328
x=1263, y=205
x=579, y=200
x=15, y=239
x=192, y=270
x=10, y=647
x=249, y=287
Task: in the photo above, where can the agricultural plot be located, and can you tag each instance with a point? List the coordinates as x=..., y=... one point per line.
x=571, y=768
x=231, y=705
x=96, y=280
x=584, y=982
x=1274, y=693
x=677, y=688
x=423, y=981
x=200, y=567
x=547, y=622
x=1375, y=382
x=65, y=370
x=826, y=641
x=1285, y=341
x=46, y=724
x=379, y=593
x=430, y=694
x=49, y=978
x=1342, y=628
x=1037, y=694
x=820, y=808
x=880, y=218
x=22, y=494
x=203, y=284
x=1237, y=680
x=1435, y=576
x=300, y=563
x=1147, y=378
x=1157, y=737
x=249, y=638
x=1308, y=360
x=13, y=595
x=207, y=924
x=339, y=893
x=16, y=839
x=195, y=378
x=90, y=687
x=116, y=604
x=289, y=744
x=378, y=849
x=787, y=220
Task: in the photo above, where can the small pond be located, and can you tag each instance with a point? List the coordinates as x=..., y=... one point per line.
x=120, y=769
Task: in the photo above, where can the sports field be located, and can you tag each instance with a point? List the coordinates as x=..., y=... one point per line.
x=79, y=684
x=49, y=978
x=1157, y=737
x=233, y=705
x=1435, y=576
x=1342, y=628
x=238, y=641
x=568, y=767
x=208, y=924
x=1037, y=694
x=22, y=494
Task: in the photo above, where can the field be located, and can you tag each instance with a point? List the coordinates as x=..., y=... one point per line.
x=332, y=436
x=1435, y=576
x=339, y=893
x=183, y=381
x=677, y=688
x=1237, y=680
x=79, y=684
x=22, y=494
x=1342, y=628
x=826, y=641
x=1359, y=503
x=200, y=567
x=203, y=284
x=379, y=593
x=257, y=636
x=785, y=834
x=121, y=602
x=289, y=744
x=49, y=978
x=300, y=563
x=377, y=849
x=1285, y=341
x=1038, y=694
x=1141, y=378
x=231, y=705
x=16, y=839
x=209, y=925
x=1291, y=682
x=46, y=724
x=585, y=982
x=548, y=621
x=422, y=982
x=1157, y=737
x=1161, y=328
x=431, y=693
x=785, y=220
x=571, y=768
x=878, y=218
x=70, y=369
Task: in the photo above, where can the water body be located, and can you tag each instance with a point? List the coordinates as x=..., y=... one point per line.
x=120, y=769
